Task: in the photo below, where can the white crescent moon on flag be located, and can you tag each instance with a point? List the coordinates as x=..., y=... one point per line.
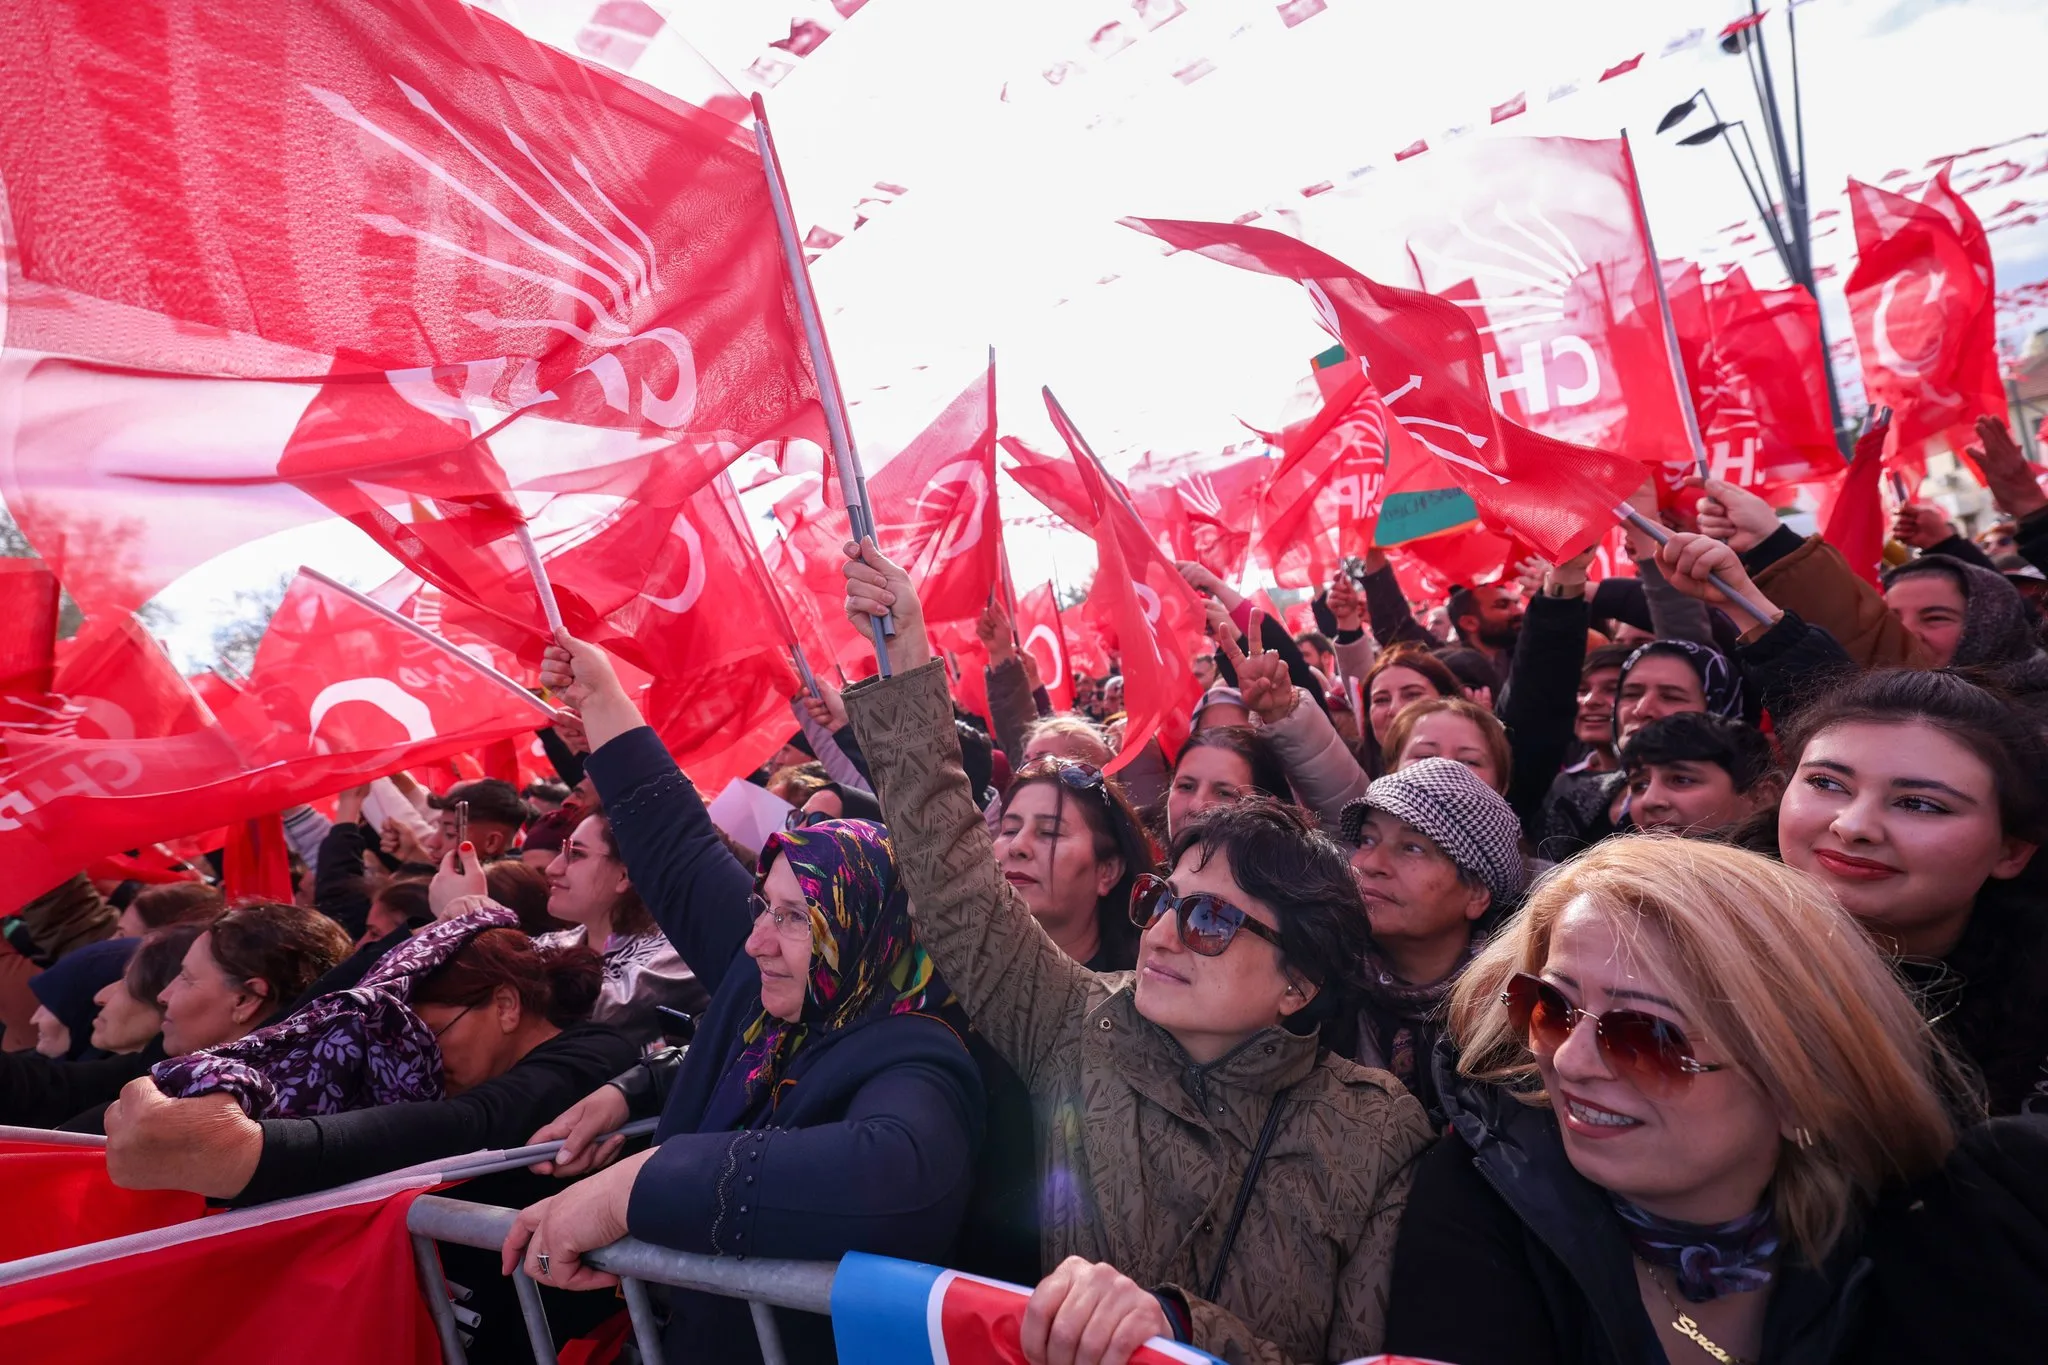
x=693, y=582
x=1052, y=640
x=1881, y=336
x=1150, y=601
x=387, y=696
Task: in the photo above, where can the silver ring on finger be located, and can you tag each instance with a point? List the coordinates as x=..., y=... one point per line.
x=542, y=1257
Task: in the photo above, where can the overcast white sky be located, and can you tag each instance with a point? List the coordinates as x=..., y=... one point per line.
x=1014, y=183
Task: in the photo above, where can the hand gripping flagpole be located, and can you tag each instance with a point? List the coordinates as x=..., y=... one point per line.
x=1678, y=379
x=853, y=483
x=548, y=606
x=452, y=650
x=1662, y=537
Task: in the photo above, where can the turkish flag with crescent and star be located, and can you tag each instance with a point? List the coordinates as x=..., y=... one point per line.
x=1922, y=297
x=1159, y=619
x=122, y=754
x=1425, y=356
x=935, y=507
x=330, y=254
x=1041, y=631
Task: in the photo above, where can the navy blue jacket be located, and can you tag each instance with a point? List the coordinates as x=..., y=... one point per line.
x=872, y=1145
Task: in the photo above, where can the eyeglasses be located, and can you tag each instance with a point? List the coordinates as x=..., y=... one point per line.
x=1651, y=1053
x=790, y=924
x=1072, y=773
x=442, y=1031
x=1207, y=923
x=804, y=819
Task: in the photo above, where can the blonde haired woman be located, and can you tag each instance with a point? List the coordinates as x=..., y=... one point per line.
x=1685, y=1077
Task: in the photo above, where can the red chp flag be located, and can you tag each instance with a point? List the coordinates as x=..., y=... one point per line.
x=1753, y=358
x=1538, y=240
x=1323, y=500
x=1922, y=299
x=1425, y=356
x=1210, y=494
x=1159, y=619
x=118, y=759
x=330, y=245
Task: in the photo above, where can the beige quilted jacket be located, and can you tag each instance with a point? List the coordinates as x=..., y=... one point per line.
x=1143, y=1151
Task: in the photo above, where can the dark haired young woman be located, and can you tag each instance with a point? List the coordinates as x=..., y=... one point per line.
x=1917, y=798
x=1072, y=847
x=1169, y=1098
x=1217, y=766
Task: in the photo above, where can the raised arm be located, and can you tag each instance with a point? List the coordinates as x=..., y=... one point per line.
x=695, y=889
x=1542, y=699
x=1024, y=995
x=1319, y=765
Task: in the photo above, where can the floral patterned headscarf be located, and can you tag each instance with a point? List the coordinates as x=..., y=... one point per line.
x=353, y=1049
x=865, y=961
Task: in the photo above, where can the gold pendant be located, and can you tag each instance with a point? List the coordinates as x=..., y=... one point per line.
x=1691, y=1330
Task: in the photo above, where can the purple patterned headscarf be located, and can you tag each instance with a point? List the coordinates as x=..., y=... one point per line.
x=353, y=1049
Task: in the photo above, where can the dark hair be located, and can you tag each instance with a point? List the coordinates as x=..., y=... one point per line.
x=977, y=757
x=177, y=903
x=1416, y=659
x=157, y=960
x=1116, y=832
x=631, y=915
x=1697, y=737
x=1269, y=774
x=1316, y=638
x=2003, y=955
x=286, y=947
x=524, y=891
x=1472, y=668
x=545, y=790
x=1600, y=658
x=559, y=983
x=408, y=898
x=1281, y=859
x=1460, y=601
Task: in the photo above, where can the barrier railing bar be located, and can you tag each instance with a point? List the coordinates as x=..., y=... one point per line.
x=645, y=1331
x=802, y=1285
x=428, y=1262
x=768, y=1333
x=530, y=1308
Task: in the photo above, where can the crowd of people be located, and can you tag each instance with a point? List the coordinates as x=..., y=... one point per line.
x=1647, y=971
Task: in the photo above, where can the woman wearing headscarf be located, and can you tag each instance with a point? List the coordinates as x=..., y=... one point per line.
x=829, y=1102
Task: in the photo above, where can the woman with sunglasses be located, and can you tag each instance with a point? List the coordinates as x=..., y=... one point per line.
x=1681, y=1082
x=829, y=1102
x=1213, y=1175
x=1071, y=845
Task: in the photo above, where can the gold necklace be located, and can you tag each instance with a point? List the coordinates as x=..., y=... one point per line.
x=1684, y=1325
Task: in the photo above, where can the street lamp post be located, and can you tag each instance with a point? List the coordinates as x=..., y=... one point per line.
x=1779, y=192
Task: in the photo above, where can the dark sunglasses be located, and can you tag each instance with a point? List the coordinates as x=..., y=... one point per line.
x=1651, y=1053
x=804, y=819
x=1073, y=774
x=1207, y=923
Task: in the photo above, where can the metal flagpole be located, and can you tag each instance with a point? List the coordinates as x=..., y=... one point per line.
x=1662, y=536
x=852, y=481
x=423, y=633
x=1678, y=379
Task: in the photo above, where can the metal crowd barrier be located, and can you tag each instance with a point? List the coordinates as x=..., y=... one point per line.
x=764, y=1284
